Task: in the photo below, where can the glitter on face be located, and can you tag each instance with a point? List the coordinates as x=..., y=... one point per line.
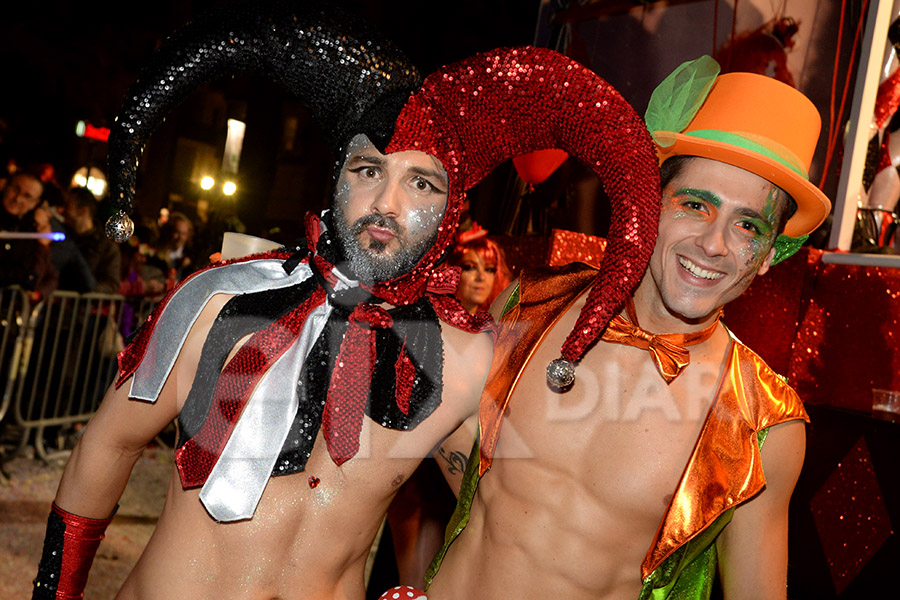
x=713, y=238
x=670, y=205
x=754, y=251
x=424, y=219
x=374, y=262
x=764, y=237
x=402, y=197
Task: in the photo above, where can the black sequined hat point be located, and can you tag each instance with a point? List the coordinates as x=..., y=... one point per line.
x=349, y=79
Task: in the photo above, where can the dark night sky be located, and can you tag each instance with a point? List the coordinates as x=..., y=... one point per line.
x=64, y=61
x=67, y=60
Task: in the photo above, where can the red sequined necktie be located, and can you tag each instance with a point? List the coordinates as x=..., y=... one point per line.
x=667, y=349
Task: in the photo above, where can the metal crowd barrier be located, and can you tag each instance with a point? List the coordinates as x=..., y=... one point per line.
x=58, y=358
x=14, y=311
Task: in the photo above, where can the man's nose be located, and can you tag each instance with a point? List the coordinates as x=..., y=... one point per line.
x=387, y=199
x=712, y=240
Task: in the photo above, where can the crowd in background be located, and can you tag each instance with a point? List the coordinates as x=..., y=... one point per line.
x=53, y=239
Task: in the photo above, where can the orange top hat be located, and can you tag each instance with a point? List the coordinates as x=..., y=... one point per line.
x=747, y=120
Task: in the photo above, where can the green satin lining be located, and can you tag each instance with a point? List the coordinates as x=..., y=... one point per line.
x=689, y=573
x=511, y=301
x=460, y=517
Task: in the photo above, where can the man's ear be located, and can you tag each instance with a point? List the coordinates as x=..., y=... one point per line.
x=767, y=262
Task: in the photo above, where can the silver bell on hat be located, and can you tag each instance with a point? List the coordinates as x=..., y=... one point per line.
x=561, y=373
x=119, y=227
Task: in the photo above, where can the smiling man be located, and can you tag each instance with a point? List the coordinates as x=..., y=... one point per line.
x=632, y=478
x=713, y=238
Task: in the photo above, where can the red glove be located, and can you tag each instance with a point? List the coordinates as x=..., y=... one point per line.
x=69, y=547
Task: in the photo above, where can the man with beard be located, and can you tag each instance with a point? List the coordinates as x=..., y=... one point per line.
x=366, y=218
x=387, y=211
x=282, y=367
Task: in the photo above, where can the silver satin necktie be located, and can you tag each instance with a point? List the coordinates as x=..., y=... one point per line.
x=185, y=306
x=238, y=479
x=240, y=475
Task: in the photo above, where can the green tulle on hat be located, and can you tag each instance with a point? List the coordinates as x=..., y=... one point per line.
x=677, y=99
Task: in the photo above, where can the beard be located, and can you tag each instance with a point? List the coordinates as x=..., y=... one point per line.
x=372, y=262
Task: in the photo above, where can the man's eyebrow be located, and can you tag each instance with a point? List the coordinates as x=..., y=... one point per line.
x=702, y=194
x=366, y=158
x=439, y=175
x=713, y=199
x=749, y=212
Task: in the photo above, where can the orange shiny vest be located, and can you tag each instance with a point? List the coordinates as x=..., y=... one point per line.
x=726, y=458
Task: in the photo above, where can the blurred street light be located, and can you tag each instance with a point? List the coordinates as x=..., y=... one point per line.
x=91, y=178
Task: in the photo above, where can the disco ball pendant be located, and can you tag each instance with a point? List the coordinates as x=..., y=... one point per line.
x=561, y=373
x=119, y=227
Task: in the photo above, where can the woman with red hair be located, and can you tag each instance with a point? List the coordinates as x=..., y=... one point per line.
x=484, y=270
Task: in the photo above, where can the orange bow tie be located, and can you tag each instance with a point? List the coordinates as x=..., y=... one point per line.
x=667, y=349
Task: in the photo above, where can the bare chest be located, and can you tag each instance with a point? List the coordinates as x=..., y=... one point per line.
x=617, y=441
x=312, y=529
